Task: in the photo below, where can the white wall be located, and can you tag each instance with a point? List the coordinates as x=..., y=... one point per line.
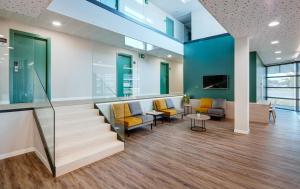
x=19, y=135
x=71, y=65
x=151, y=15
x=94, y=15
x=205, y=25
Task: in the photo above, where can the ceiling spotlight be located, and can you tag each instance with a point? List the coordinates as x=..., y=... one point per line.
x=277, y=52
x=274, y=42
x=56, y=23
x=274, y=23
x=169, y=56
x=279, y=58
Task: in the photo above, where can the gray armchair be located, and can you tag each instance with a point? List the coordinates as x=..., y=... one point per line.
x=218, y=108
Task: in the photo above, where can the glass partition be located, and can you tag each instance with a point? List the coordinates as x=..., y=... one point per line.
x=45, y=116
x=146, y=13
x=4, y=75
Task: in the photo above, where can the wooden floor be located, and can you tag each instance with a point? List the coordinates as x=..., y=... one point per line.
x=173, y=156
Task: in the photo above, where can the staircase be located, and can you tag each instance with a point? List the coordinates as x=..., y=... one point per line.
x=82, y=137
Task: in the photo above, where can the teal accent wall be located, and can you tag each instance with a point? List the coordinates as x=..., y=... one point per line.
x=210, y=56
x=257, y=78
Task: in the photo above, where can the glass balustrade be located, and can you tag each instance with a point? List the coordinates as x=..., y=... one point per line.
x=45, y=117
x=145, y=13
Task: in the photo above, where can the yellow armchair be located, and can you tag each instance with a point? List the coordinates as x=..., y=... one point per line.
x=204, y=105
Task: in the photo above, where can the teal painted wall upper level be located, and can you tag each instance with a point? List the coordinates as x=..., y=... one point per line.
x=257, y=78
x=211, y=56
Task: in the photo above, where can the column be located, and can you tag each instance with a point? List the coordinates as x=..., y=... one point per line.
x=241, y=85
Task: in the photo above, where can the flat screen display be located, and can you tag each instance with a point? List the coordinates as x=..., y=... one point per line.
x=215, y=82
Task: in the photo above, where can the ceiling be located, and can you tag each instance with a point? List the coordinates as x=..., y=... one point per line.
x=84, y=30
x=31, y=8
x=251, y=18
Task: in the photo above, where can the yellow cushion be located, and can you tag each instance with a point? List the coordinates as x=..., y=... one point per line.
x=206, y=102
x=121, y=110
x=202, y=110
x=129, y=121
x=160, y=104
x=169, y=112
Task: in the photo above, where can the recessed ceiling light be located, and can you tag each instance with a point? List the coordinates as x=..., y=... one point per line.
x=169, y=56
x=2, y=36
x=277, y=52
x=274, y=23
x=56, y=23
x=274, y=42
x=279, y=58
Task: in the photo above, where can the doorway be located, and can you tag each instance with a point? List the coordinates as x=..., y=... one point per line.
x=164, y=78
x=124, y=75
x=30, y=55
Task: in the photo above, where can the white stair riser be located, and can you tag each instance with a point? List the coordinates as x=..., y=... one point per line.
x=75, y=128
x=67, y=128
x=67, y=112
x=82, y=137
x=61, y=170
x=76, y=116
x=75, y=107
x=79, y=136
x=76, y=120
x=71, y=132
x=63, y=151
x=67, y=123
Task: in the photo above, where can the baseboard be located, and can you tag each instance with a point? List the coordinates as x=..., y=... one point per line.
x=241, y=131
x=16, y=153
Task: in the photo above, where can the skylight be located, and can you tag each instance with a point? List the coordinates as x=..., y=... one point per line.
x=134, y=43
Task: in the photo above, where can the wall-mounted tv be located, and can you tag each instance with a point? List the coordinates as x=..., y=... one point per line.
x=215, y=82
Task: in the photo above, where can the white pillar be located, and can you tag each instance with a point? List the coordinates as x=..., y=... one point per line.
x=241, y=85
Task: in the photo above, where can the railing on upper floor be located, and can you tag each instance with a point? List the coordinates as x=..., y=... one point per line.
x=143, y=12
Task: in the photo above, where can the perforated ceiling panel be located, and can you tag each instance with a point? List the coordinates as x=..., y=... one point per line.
x=31, y=8
x=251, y=18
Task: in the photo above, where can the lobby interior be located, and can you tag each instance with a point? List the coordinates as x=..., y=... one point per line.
x=149, y=94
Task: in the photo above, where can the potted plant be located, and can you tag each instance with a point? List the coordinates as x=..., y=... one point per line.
x=186, y=99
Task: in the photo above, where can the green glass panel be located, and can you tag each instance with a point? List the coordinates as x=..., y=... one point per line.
x=124, y=76
x=170, y=27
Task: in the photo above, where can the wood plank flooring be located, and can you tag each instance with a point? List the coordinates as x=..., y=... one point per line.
x=173, y=156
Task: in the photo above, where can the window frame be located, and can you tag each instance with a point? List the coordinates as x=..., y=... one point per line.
x=296, y=86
